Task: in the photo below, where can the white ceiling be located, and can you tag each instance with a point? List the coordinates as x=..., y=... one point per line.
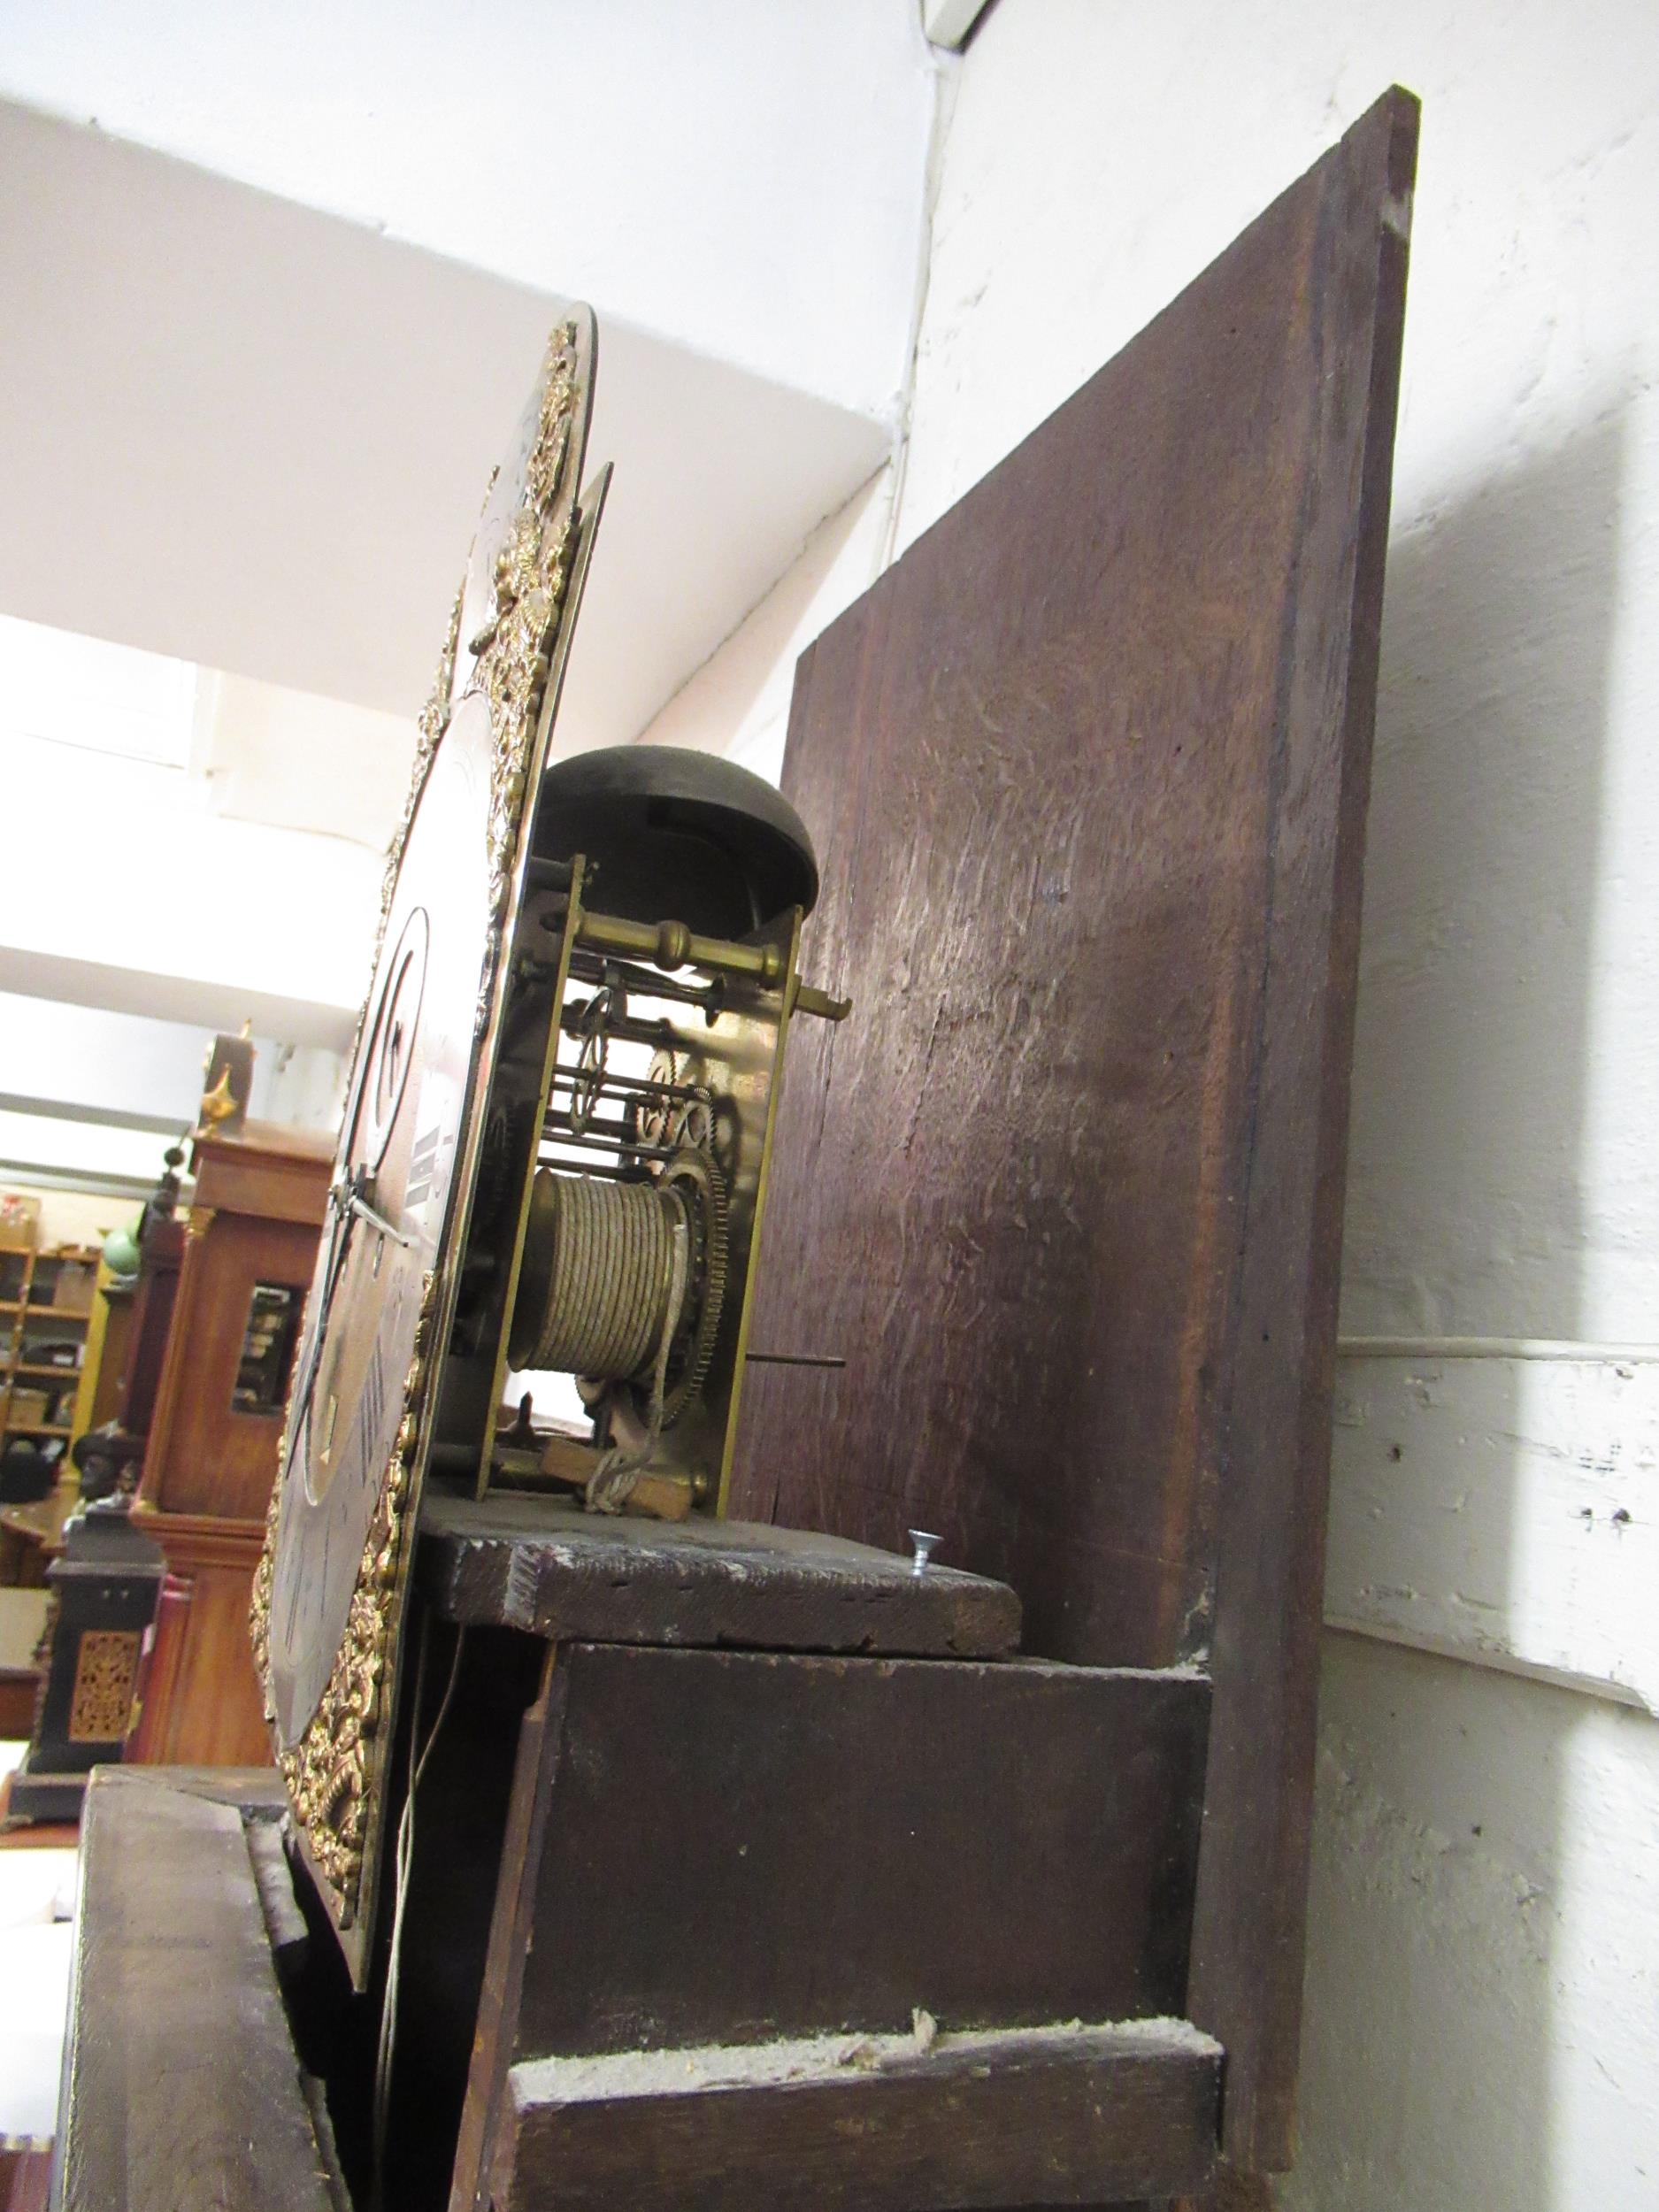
x=276, y=280
x=744, y=177
x=256, y=437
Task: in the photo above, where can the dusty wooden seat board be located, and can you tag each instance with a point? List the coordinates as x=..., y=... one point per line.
x=1088, y=771
x=516, y=1562
x=1117, y=2109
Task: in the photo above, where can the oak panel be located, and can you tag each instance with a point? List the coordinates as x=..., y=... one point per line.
x=1089, y=772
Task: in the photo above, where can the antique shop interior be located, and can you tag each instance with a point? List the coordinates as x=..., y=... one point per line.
x=829, y=1245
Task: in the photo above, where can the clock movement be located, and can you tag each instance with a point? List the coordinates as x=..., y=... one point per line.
x=554, y=1147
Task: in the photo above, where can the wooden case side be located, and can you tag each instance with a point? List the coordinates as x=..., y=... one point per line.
x=1249, y=1931
x=1056, y=1225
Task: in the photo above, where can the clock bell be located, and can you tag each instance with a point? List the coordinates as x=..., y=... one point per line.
x=623, y=1162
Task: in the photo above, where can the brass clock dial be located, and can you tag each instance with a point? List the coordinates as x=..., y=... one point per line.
x=328, y=1595
x=385, y=1222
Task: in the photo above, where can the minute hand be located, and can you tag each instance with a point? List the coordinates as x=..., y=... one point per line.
x=359, y=1205
x=300, y=1389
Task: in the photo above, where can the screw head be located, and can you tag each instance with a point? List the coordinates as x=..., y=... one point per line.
x=922, y=1543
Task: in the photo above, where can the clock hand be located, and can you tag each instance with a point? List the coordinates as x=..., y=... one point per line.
x=341, y=1192
x=345, y=1202
x=345, y=1198
x=355, y=1203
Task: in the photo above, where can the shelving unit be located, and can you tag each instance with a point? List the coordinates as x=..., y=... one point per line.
x=45, y=1313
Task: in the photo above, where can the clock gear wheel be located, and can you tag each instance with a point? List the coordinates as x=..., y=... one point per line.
x=695, y=1180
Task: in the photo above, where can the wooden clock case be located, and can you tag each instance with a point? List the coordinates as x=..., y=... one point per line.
x=750, y=1869
x=211, y=1457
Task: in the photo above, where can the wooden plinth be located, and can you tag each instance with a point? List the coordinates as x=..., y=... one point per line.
x=202, y=1704
x=185, y=2088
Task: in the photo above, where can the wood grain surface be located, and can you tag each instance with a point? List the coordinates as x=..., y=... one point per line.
x=206, y=1455
x=520, y=1562
x=182, y=2086
x=741, y=1845
x=1083, y=2115
x=1087, y=771
x=512, y=1935
x=202, y=1703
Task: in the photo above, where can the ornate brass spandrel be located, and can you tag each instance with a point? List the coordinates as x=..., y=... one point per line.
x=430, y=726
x=514, y=648
x=331, y=1771
x=106, y=1674
x=259, y=1597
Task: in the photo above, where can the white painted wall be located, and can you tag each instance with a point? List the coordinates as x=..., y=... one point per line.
x=295, y=761
x=276, y=282
x=189, y=850
x=737, y=701
x=125, y=870
x=106, y=1077
x=1481, y=2025
x=1483, y=1959
x=148, y=1071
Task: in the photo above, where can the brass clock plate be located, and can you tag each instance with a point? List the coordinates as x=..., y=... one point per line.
x=328, y=1595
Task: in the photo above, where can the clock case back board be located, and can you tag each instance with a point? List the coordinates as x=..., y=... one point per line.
x=1089, y=768
x=484, y=741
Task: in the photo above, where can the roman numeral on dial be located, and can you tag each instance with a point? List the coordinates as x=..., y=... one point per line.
x=423, y=1166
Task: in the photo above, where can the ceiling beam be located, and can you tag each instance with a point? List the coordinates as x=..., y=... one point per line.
x=196, y=1001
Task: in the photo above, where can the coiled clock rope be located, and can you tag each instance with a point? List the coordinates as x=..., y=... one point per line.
x=612, y=1270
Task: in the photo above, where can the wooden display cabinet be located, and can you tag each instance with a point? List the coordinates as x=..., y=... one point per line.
x=103, y=1369
x=45, y=1312
x=211, y=1459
